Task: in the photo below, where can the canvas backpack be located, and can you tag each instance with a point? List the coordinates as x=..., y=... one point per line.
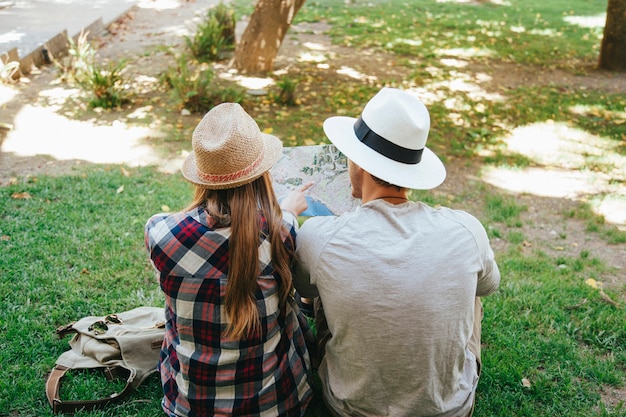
x=124, y=345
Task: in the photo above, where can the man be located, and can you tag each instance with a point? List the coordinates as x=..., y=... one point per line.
x=398, y=312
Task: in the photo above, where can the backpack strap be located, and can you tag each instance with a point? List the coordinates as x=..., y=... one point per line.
x=70, y=407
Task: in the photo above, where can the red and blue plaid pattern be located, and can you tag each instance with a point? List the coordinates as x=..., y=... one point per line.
x=202, y=372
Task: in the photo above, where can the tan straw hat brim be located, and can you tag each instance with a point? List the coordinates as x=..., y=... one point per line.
x=272, y=152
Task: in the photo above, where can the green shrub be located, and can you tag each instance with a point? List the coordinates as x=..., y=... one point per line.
x=106, y=84
x=8, y=70
x=189, y=86
x=225, y=16
x=214, y=35
x=287, y=94
x=194, y=87
x=77, y=66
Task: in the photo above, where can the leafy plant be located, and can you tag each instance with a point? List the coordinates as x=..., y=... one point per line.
x=287, y=94
x=225, y=16
x=193, y=86
x=8, y=70
x=106, y=84
x=80, y=59
x=214, y=35
x=189, y=87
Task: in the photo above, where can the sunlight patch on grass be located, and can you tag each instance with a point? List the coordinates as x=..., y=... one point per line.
x=352, y=73
x=544, y=182
x=568, y=163
x=251, y=83
x=545, y=32
x=59, y=95
x=465, y=52
x=158, y=4
x=613, y=208
x=451, y=62
x=498, y=2
x=597, y=21
x=312, y=57
x=458, y=82
x=557, y=144
x=115, y=143
x=314, y=46
x=600, y=111
x=141, y=112
x=7, y=93
x=412, y=42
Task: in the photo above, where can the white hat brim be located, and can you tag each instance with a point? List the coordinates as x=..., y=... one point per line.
x=428, y=173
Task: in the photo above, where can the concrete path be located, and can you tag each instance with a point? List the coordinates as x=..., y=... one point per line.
x=27, y=25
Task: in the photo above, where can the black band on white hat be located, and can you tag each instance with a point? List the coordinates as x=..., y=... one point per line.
x=385, y=147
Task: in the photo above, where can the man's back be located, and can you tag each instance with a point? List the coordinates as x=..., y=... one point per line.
x=398, y=285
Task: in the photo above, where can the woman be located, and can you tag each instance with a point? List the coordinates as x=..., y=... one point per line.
x=234, y=345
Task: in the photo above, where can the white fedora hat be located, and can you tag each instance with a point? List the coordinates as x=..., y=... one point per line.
x=229, y=150
x=388, y=140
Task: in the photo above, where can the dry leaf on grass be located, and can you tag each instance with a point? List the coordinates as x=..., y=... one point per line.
x=21, y=196
x=598, y=285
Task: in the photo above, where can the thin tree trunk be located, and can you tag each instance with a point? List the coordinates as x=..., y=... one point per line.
x=613, y=47
x=260, y=42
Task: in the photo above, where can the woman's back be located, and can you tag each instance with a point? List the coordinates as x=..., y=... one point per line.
x=265, y=374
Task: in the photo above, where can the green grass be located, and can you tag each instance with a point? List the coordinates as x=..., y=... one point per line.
x=530, y=32
x=420, y=34
x=75, y=247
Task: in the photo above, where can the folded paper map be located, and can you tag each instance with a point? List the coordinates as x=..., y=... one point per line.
x=323, y=165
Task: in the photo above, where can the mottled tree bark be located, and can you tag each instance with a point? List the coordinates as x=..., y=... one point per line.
x=260, y=42
x=613, y=48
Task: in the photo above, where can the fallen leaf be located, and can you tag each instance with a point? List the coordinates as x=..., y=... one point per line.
x=592, y=283
x=120, y=189
x=268, y=130
x=5, y=238
x=125, y=172
x=85, y=271
x=165, y=208
x=21, y=196
x=525, y=383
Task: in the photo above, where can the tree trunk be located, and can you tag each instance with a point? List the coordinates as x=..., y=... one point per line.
x=613, y=47
x=260, y=42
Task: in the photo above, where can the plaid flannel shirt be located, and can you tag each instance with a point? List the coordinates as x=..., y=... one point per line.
x=203, y=373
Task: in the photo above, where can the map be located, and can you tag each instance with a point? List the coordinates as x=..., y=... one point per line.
x=325, y=166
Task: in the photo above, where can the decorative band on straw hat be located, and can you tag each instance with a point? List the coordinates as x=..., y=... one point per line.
x=388, y=140
x=229, y=150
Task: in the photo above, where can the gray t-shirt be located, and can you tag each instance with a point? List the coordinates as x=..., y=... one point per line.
x=398, y=284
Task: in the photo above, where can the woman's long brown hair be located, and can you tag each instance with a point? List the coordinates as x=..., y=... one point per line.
x=242, y=208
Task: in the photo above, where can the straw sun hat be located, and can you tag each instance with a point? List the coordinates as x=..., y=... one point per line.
x=229, y=150
x=388, y=140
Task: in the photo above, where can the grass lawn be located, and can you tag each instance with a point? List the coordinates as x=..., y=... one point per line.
x=554, y=342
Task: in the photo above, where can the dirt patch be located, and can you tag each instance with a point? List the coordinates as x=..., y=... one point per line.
x=146, y=32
